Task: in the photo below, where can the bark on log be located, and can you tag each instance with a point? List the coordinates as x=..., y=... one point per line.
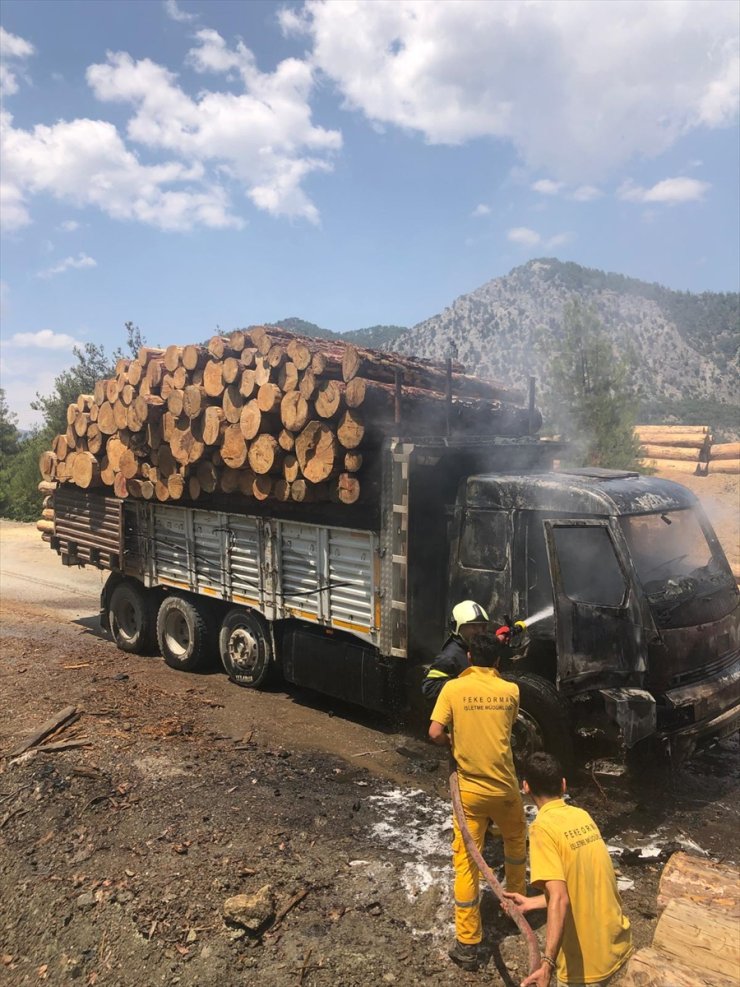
x=315, y=450
x=701, y=881
x=667, y=438
x=702, y=938
x=674, y=429
x=671, y=465
x=46, y=728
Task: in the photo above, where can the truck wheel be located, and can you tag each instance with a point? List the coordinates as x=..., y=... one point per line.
x=543, y=723
x=245, y=647
x=132, y=618
x=183, y=634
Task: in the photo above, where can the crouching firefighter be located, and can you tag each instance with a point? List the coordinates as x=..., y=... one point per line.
x=479, y=709
x=468, y=619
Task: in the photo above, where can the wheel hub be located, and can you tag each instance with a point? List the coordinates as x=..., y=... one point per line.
x=526, y=736
x=243, y=649
x=176, y=633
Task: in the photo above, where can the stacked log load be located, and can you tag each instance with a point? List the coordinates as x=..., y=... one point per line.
x=675, y=448
x=724, y=457
x=263, y=414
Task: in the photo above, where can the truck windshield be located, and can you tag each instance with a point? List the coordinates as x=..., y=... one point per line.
x=679, y=573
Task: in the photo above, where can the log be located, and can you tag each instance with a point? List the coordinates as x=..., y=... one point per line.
x=245, y=482
x=674, y=429
x=128, y=393
x=252, y=421
x=47, y=514
x=237, y=339
x=72, y=412
x=171, y=358
x=265, y=455
x=685, y=441
x=269, y=397
x=217, y=346
x=179, y=378
x=233, y=402
x=315, y=450
x=212, y=419
x=46, y=526
x=294, y=411
x=213, y=381
x=230, y=369
x=234, y=448
x=247, y=383
x=670, y=452
x=353, y=461
x=262, y=371
x=276, y=355
x=143, y=409
x=354, y=392
x=348, y=488
x=261, y=487
x=162, y=491
x=176, y=485
x=47, y=465
x=106, y=420
x=281, y=491
x=303, y=492
x=652, y=968
x=154, y=370
x=129, y=464
x=193, y=486
x=60, y=447
x=111, y=391
x=175, y=402
x=291, y=469
x=286, y=440
x=86, y=471
x=107, y=473
x=328, y=398
x=99, y=392
x=49, y=726
x=148, y=353
x=704, y=939
x=186, y=445
x=193, y=357
x=166, y=464
x=193, y=400
x=701, y=881
x=95, y=440
x=121, y=414
x=207, y=476
x=307, y=384
x=725, y=450
x=120, y=486
x=351, y=429
x=228, y=481
x=731, y=466
x=288, y=377
x=671, y=465
x=248, y=356
x=46, y=486
x=299, y=354
x=134, y=374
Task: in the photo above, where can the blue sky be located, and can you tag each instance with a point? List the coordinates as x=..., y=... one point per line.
x=195, y=165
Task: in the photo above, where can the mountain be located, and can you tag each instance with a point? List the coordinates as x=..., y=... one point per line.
x=686, y=345
x=376, y=337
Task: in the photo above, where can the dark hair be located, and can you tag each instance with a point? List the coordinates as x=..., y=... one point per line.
x=485, y=649
x=544, y=775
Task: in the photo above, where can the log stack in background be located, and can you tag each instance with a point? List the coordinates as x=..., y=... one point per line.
x=724, y=457
x=260, y=413
x=675, y=448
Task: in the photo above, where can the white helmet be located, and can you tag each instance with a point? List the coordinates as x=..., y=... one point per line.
x=468, y=612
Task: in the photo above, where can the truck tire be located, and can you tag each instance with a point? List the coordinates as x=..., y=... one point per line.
x=543, y=723
x=245, y=648
x=184, y=634
x=132, y=617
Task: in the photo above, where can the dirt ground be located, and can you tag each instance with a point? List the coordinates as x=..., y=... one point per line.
x=116, y=857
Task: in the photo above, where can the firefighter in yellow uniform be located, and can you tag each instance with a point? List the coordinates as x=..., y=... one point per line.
x=479, y=708
x=588, y=937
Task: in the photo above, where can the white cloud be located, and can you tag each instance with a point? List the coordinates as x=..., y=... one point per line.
x=481, y=210
x=579, y=89
x=546, y=186
x=524, y=236
x=78, y=263
x=670, y=191
x=12, y=49
x=175, y=14
x=261, y=140
x=44, y=339
x=69, y=226
x=586, y=193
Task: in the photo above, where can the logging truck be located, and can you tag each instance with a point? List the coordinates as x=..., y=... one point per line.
x=308, y=508
x=642, y=642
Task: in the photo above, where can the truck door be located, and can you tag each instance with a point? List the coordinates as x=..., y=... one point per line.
x=599, y=628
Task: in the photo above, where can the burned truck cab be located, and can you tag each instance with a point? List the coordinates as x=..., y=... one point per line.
x=633, y=614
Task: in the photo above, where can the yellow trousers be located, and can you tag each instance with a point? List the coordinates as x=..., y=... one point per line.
x=507, y=812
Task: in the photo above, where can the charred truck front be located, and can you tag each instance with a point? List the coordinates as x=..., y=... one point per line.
x=641, y=630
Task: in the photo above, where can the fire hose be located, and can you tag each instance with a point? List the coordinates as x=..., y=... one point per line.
x=508, y=906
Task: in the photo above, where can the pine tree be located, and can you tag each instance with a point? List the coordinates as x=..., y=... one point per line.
x=591, y=392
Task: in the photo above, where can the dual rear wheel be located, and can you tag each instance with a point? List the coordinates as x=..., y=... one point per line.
x=187, y=632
